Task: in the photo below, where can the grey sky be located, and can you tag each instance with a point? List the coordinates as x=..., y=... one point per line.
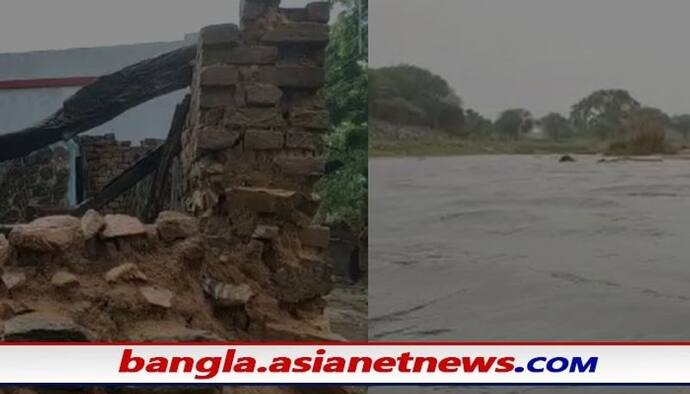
x=27, y=25
x=542, y=55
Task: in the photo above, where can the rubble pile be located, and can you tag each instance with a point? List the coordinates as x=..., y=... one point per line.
x=112, y=278
x=246, y=262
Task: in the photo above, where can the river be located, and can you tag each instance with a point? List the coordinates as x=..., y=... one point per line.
x=527, y=248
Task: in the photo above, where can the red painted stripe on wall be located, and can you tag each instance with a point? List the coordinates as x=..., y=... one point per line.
x=46, y=83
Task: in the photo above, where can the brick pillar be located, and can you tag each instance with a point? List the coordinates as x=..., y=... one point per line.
x=252, y=148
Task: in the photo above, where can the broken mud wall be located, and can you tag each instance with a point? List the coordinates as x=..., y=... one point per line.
x=113, y=278
x=103, y=159
x=45, y=181
x=38, y=181
x=246, y=262
x=252, y=153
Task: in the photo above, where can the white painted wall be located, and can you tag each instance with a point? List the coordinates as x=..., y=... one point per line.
x=22, y=107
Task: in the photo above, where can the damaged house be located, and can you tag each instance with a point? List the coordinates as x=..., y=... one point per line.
x=218, y=240
x=33, y=85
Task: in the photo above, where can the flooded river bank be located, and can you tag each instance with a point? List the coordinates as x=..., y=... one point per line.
x=526, y=248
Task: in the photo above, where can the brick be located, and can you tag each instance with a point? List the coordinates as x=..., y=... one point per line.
x=215, y=97
x=267, y=75
x=227, y=33
x=218, y=75
x=212, y=116
x=157, y=296
x=255, y=73
x=316, y=236
x=303, y=140
x=263, y=139
x=262, y=200
x=48, y=234
x=297, y=33
x=303, y=281
x=319, y=11
x=308, y=118
x=225, y=295
x=251, y=10
x=118, y=226
x=216, y=138
x=294, y=14
x=240, y=97
x=266, y=232
x=303, y=166
x=293, y=76
x=254, y=117
x=263, y=95
x=45, y=327
x=306, y=77
x=241, y=55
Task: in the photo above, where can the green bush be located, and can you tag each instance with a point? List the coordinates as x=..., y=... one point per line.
x=344, y=192
x=643, y=133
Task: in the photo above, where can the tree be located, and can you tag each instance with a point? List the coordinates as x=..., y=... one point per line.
x=448, y=115
x=512, y=123
x=644, y=131
x=556, y=127
x=681, y=124
x=344, y=192
x=406, y=94
x=347, y=56
x=476, y=124
x=603, y=112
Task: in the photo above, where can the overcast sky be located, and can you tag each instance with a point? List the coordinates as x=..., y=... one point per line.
x=543, y=55
x=27, y=25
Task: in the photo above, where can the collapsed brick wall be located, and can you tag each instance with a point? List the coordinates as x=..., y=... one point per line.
x=103, y=159
x=40, y=179
x=250, y=266
x=40, y=182
x=161, y=274
x=252, y=154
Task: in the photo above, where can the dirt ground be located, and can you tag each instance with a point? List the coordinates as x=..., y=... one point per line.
x=348, y=310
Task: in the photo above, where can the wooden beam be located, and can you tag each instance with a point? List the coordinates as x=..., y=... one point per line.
x=125, y=181
x=171, y=148
x=15, y=84
x=103, y=100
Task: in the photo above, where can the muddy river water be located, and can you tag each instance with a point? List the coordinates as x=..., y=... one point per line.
x=525, y=247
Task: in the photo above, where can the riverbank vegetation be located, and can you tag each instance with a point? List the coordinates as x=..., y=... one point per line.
x=344, y=190
x=415, y=112
x=449, y=146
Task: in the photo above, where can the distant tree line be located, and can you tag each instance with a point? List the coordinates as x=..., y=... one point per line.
x=410, y=95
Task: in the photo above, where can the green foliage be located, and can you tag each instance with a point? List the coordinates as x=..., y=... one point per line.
x=347, y=55
x=412, y=95
x=681, y=124
x=512, y=123
x=476, y=124
x=603, y=112
x=643, y=132
x=344, y=192
x=556, y=127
